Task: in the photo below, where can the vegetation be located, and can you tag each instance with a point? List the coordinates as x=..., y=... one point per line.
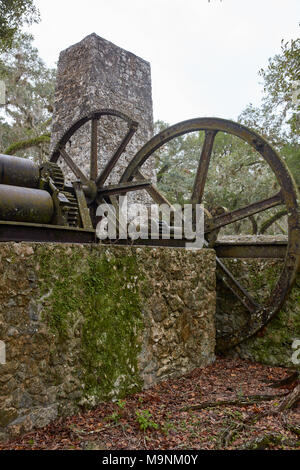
x=144, y=419
x=278, y=118
x=218, y=417
x=26, y=118
x=13, y=15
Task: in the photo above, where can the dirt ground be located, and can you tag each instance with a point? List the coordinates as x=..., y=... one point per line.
x=183, y=414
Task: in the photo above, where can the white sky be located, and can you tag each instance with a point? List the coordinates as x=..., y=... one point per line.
x=204, y=57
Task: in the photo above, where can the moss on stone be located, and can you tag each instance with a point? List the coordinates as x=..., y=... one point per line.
x=113, y=321
x=60, y=281
x=96, y=293
x=28, y=143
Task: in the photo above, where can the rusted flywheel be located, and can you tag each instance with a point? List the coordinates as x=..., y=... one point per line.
x=92, y=187
x=95, y=189
x=288, y=196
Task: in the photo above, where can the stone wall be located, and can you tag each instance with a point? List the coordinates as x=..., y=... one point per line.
x=82, y=324
x=95, y=74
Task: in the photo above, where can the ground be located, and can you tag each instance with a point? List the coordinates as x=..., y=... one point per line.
x=165, y=416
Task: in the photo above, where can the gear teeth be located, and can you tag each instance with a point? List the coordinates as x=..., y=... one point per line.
x=56, y=175
x=73, y=212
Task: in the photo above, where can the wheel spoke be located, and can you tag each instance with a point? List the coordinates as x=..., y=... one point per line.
x=124, y=187
x=152, y=190
x=202, y=170
x=158, y=197
x=236, y=288
x=238, y=214
x=71, y=164
x=83, y=208
x=114, y=159
x=94, y=149
x=271, y=220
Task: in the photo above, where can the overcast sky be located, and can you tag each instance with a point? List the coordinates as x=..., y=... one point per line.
x=205, y=56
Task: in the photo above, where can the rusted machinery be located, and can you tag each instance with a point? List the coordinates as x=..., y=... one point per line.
x=37, y=205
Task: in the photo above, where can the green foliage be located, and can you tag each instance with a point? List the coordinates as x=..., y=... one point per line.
x=291, y=154
x=114, y=417
x=176, y=163
x=278, y=117
x=13, y=15
x=144, y=420
x=121, y=404
x=26, y=118
x=238, y=175
x=280, y=85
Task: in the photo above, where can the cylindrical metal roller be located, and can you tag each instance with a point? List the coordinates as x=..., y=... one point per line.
x=25, y=205
x=18, y=171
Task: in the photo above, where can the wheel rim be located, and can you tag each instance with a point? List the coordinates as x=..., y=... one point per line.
x=95, y=117
x=93, y=185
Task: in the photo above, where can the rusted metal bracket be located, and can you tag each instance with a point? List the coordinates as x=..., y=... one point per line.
x=83, y=208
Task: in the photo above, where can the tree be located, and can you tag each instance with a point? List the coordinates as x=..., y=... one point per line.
x=279, y=116
x=13, y=14
x=26, y=117
x=282, y=85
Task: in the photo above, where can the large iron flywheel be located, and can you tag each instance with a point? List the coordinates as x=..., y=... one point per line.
x=259, y=314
